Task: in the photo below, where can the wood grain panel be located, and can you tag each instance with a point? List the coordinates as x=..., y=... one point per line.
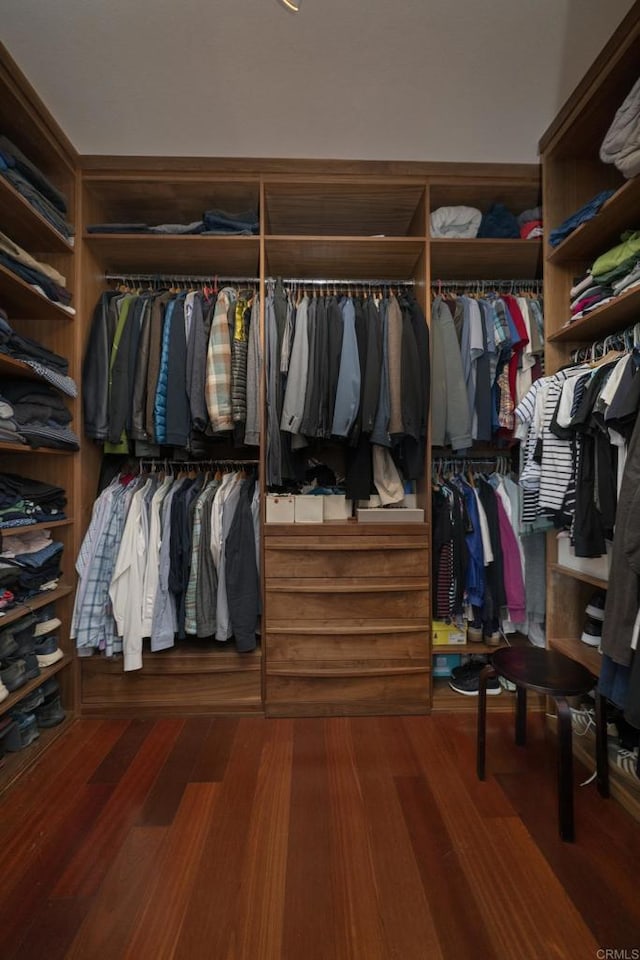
x=210, y=915
x=105, y=930
x=157, y=197
x=405, y=559
x=87, y=869
x=522, y=882
x=343, y=257
x=346, y=599
x=489, y=259
x=516, y=194
x=378, y=208
x=111, y=693
x=610, y=318
x=26, y=226
x=166, y=898
x=408, y=920
x=190, y=255
x=339, y=644
x=401, y=692
x=358, y=912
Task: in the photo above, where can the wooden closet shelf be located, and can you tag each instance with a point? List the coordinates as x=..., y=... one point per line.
x=41, y=600
x=368, y=209
x=485, y=259
x=26, y=226
x=39, y=451
x=387, y=258
x=517, y=193
x=15, y=531
x=10, y=367
x=145, y=253
x=23, y=301
x=580, y=575
x=613, y=316
x=45, y=674
x=342, y=528
x=577, y=650
x=621, y=212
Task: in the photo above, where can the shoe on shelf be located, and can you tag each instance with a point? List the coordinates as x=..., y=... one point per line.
x=8, y=645
x=592, y=632
x=493, y=639
x=469, y=684
x=474, y=632
x=27, y=728
x=4, y=693
x=50, y=713
x=595, y=608
x=47, y=621
x=47, y=650
x=472, y=665
x=33, y=700
x=49, y=687
x=13, y=674
x=10, y=741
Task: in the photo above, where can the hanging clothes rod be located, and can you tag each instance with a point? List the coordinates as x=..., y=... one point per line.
x=625, y=340
x=180, y=278
x=315, y=282
x=479, y=283
x=209, y=462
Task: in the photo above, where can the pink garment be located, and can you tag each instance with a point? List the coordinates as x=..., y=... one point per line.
x=512, y=568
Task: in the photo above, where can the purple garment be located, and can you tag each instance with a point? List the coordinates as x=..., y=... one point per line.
x=512, y=567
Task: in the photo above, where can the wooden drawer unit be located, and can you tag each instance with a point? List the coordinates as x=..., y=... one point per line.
x=365, y=556
x=342, y=599
x=391, y=689
x=174, y=682
x=347, y=620
x=364, y=640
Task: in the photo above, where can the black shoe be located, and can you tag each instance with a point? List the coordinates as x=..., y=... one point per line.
x=50, y=714
x=469, y=667
x=592, y=632
x=469, y=685
x=595, y=608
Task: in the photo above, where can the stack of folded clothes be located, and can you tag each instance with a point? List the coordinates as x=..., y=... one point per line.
x=455, y=223
x=585, y=213
x=44, y=278
x=36, y=558
x=530, y=223
x=31, y=183
x=615, y=272
x=9, y=432
x=498, y=223
x=47, y=364
x=40, y=414
x=24, y=501
x=217, y=222
x=621, y=144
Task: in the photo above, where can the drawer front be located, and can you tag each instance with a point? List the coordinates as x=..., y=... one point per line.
x=395, y=693
x=346, y=557
x=345, y=642
x=302, y=601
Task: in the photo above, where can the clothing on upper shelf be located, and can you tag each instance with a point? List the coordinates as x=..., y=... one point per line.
x=165, y=557
x=172, y=369
x=46, y=279
x=615, y=272
x=40, y=414
x=499, y=223
x=24, y=501
x=585, y=213
x=459, y=223
x=213, y=222
x=35, y=559
x=487, y=351
x=34, y=186
x=47, y=364
x=479, y=559
x=349, y=368
x=621, y=144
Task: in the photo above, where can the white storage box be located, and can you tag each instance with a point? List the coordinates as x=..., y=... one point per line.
x=308, y=509
x=280, y=508
x=393, y=515
x=594, y=566
x=336, y=507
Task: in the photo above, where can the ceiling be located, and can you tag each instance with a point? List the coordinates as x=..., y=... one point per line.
x=362, y=79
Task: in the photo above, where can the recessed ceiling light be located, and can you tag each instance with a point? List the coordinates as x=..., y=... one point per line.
x=292, y=5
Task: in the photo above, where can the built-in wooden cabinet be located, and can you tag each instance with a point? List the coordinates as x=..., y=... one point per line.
x=572, y=175
x=29, y=127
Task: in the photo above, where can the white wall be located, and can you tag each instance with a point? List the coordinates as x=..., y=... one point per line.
x=370, y=79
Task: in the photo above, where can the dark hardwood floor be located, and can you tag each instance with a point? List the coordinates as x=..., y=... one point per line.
x=335, y=839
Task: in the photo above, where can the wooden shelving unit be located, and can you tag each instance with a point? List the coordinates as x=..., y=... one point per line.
x=485, y=259
x=604, y=230
x=613, y=316
x=26, y=122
